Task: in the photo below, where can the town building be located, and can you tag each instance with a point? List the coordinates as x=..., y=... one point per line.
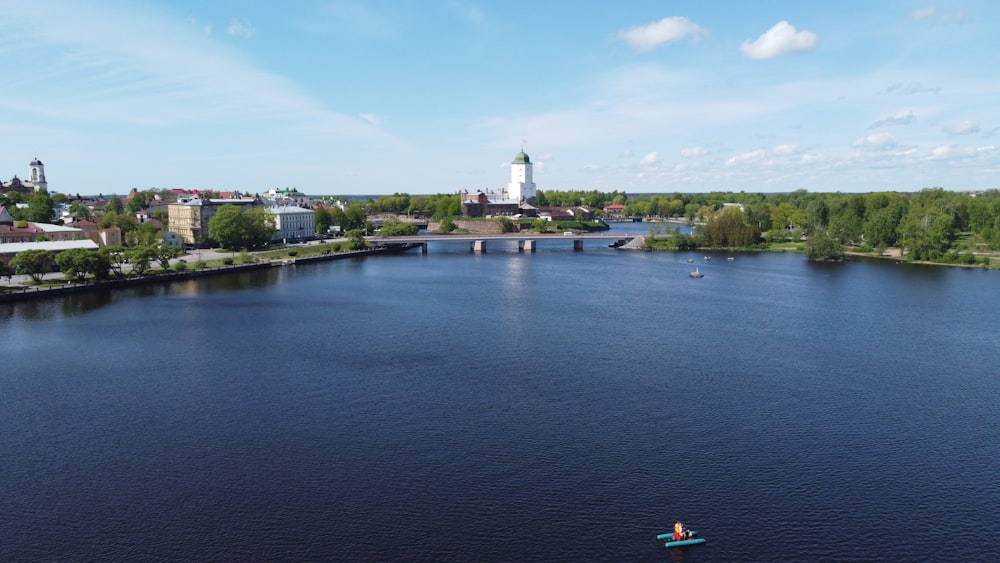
x=10, y=250
x=292, y=222
x=91, y=228
x=518, y=199
x=35, y=182
x=287, y=196
x=189, y=219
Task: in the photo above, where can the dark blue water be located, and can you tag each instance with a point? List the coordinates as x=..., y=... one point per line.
x=555, y=406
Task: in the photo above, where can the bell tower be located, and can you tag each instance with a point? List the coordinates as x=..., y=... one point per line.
x=36, y=175
x=521, y=187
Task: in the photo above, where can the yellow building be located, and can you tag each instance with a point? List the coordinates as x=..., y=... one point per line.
x=190, y=219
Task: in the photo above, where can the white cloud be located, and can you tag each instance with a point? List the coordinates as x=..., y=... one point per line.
x=694, y=152
x=876, y=141
x=781, y=39
x=940, y=152
x=909, y=89
x=667, y=30
x=370, y=118
x=651, y=158
x=904, y=117
x=239, y=29
x=946, y=19
x=966, y=127
x=787, y=149
x=811, y=158
x=747, y=157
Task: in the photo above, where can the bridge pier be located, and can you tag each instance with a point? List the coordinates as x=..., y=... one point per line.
x=479, y=246
x=526, y=245
x=423, y=248
x=577, y=245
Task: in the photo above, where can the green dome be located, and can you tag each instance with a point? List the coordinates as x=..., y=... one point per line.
x=522, y=158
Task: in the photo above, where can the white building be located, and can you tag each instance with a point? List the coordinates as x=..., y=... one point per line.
x=293, y=223
x=35, y=182
x=522, y=188
x=36, y=175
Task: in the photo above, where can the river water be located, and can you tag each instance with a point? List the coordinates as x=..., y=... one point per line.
x=555, y=406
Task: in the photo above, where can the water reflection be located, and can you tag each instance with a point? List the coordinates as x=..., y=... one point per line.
x=76, y=304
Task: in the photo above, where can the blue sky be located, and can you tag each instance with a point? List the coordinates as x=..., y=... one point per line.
x=435, y=96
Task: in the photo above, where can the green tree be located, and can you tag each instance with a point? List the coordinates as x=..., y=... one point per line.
x=136, y=204
x=393, y=227
x=139, y=257
x=79, y=210
x=116, y=258
x=34, y=263
x=163, y=253
x=787, y=215
x=324, y=220
x=233, y=228
x=927, y=234
x=78, y=263
x=822, y=247
x=227, y=227
x=728, y=228
x=447, y=225
x=144, y=234
x=39, y=207
x=356, y=239
x=260, y=227
x=6, y=271
x=114, y=205
x=354, y=218
x=124, y=222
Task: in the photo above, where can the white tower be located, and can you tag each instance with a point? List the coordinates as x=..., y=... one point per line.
x=36, y=175
x=521, y=187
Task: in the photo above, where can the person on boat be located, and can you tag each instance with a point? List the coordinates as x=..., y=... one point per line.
x=680, y=532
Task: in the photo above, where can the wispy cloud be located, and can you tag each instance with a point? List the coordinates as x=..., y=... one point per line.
x=931, y=14
x=904, y=117
x=910, y=89
x=142, y=68
x=239, y=29
x=652, y=35
x=370, y=118
x=876, y=141
x=966, y=127
x=782, y=39
x=650, y=159
x=694, y=152
x=753, y=156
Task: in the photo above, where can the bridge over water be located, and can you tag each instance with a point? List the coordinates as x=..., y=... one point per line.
x=526, y=242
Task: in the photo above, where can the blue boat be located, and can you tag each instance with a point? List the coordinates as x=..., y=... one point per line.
x=680, y=543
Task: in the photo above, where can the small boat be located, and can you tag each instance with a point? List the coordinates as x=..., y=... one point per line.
x=731, y=258
x=671, y=542
x=696, y=273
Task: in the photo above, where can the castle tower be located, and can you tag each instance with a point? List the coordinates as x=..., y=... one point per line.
x=521, y=187
x=36, y=175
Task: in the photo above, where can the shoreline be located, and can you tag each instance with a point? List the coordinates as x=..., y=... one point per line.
x=29, y=293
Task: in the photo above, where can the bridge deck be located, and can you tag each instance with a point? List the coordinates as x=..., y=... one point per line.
x=504, y=236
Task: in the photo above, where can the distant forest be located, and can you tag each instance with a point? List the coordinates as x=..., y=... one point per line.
x=932, y=224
